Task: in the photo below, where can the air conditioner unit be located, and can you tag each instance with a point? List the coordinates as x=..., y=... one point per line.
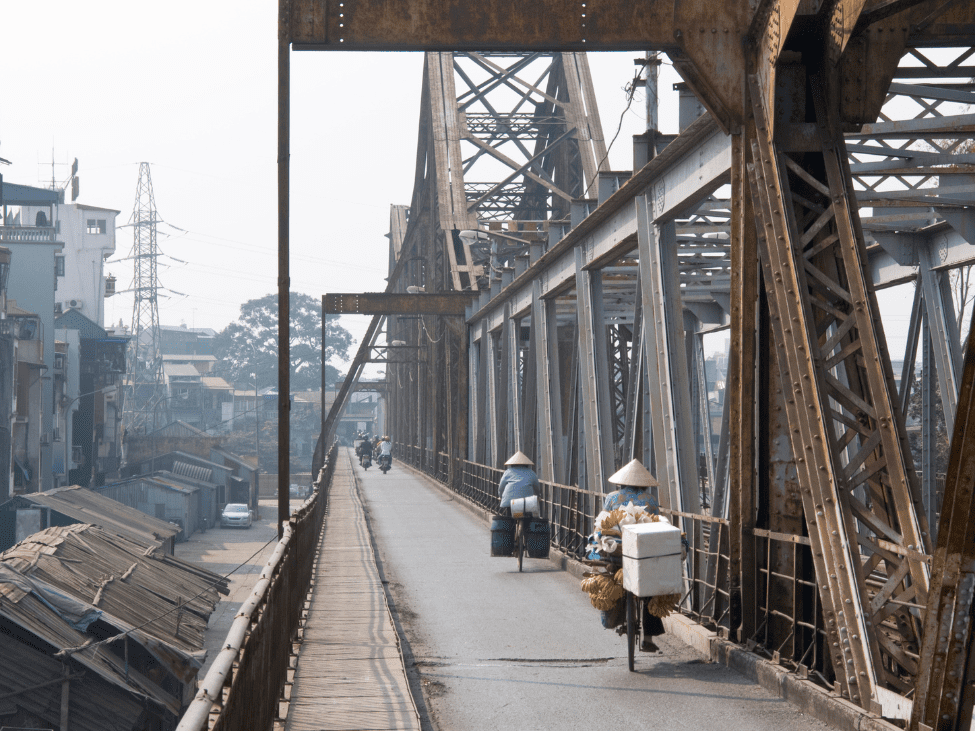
x=73, y=304
x=45, y=438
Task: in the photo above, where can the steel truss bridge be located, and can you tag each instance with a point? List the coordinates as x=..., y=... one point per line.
x=539, y=301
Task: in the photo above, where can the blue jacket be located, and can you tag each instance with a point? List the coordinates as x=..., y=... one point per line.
x=625, y=495
x=516, y=482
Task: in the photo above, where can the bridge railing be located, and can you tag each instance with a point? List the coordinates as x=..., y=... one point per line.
x=782, y=560
x=243, y=687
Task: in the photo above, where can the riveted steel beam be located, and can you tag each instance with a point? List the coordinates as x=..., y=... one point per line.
x=667, y=365
x=944, y=695
x=394, y=303
x=594, y=377
x=855, y=472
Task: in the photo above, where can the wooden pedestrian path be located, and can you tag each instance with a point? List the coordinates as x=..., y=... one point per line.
x=350, y=674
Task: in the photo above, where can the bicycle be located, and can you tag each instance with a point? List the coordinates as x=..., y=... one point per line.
x=521, y=529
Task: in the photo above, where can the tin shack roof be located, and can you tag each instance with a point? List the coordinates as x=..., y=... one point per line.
x=63, y=623
x=181, y=482
x=87, y=506
x=132, y=583
x=233, y=459
x=180, y=429
x=29, y=682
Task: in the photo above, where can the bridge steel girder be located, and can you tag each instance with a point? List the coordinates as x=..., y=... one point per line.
x=594, y=365
x=381, y=303
x=946, y=684
x=814, y=318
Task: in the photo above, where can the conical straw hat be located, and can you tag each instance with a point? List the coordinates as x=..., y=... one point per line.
x=634, y=474
x=517, y=459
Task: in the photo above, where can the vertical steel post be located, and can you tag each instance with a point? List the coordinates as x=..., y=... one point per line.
x=741, y=393
x=943, y=341
x=929, y=426
x=674, y=449
x=324, y=345
x=284, y=276
x=550, y=459
x=945, y=686
x=512, y=334
x=594, y=375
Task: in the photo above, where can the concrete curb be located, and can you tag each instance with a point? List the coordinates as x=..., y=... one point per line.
x=808, y=697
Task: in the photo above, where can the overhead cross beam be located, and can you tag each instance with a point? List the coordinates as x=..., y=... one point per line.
x=394, y=303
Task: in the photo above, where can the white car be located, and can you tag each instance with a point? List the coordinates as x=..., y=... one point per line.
x=235, y=515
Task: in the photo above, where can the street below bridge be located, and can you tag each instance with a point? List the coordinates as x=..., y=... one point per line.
x=492, y=648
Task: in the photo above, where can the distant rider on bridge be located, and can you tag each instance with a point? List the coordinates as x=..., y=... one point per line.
x=518, y=481
x=384, y=450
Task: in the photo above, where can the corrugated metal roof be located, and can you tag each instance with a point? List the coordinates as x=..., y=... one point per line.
x=27, y=603
x=130, y=581
x=185, y=482
x=198, y=460
x=191, y=470
x=88, y=506
x=235, y=459
x=181, y=328
x=215, y=383
x=180, y=370
x=178, y=358
x=180, y=429
x=96, y=705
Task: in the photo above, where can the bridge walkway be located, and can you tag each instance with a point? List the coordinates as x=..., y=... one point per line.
x=350, y=674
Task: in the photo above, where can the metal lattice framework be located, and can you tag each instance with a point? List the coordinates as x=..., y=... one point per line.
x=836, y=161
x=146, y=363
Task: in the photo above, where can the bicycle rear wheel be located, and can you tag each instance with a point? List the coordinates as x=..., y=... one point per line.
x=631, y=628
x=520, y=544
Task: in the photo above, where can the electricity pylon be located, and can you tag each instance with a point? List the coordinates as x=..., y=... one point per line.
x=145, y=365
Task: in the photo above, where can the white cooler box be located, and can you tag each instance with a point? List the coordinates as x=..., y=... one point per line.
x=522, y=505
x=652, y=559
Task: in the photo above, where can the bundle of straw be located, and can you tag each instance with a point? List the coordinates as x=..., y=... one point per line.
x=603, y=590
x=662, y=606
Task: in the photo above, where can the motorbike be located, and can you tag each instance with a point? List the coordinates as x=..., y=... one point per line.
x=366, y=461
x=385, y=462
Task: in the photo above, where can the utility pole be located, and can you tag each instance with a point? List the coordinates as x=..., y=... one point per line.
x=145, y=369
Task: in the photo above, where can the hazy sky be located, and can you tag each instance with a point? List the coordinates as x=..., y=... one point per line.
x=191, y=88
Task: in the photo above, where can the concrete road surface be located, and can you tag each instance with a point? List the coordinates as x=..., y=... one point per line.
x=224, y=549
x=495, y=649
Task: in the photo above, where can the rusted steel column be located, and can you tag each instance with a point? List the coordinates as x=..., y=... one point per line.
x=550, y=459
x=460, y=411
x=944, y=692
x=741, y=398
x=594, y=375
x=284, y=275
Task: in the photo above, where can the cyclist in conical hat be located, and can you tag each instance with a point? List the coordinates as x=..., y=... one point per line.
x=518, y=481
x=635, y=483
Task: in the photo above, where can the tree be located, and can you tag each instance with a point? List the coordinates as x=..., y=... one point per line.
x=250, y=345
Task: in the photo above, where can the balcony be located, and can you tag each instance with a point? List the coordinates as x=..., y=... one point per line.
x=27, y=235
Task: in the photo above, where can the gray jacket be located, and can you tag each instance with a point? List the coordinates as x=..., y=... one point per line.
x=517, y=481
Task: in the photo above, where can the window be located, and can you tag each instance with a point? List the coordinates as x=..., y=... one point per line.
x=59, y=265
x=96, y=226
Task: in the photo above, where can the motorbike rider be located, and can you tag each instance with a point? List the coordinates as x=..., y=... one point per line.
x=518, y=481
x=384, y=449
x=365, y=449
